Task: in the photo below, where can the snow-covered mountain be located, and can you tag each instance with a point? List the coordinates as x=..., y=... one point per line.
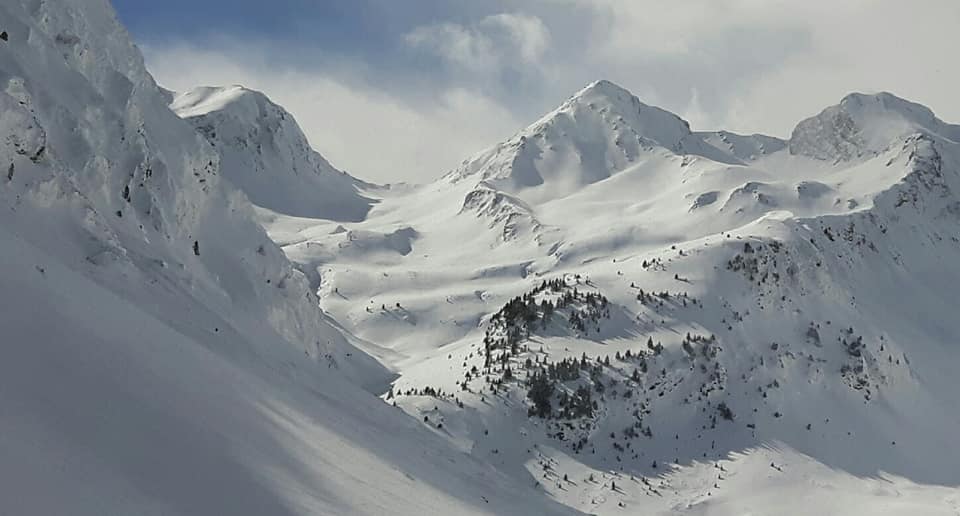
x=641, y=317
x=865, y=124
x=600, y=131
x=161, y=355
x=265, y=154
x=609, y=313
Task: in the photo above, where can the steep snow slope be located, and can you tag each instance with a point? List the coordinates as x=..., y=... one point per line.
x=266, y=155
x=108, y=409
x=785, y=306
x=161, y=354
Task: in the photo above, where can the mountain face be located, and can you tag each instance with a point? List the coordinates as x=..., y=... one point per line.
x=641, y=317
x=865, y=124
x=104, y=177
x=161, y=354
x=600, y=131
x=265, y=154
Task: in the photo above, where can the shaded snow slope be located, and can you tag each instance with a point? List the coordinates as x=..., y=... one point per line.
x=265, y=154
x=108, y=409
x=103, y=176
x=161, y=354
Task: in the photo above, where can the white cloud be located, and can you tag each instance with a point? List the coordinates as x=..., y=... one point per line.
x=359, y=128
x=906, y=48
x=488, y=46
x=762, y=65
x=742, y=65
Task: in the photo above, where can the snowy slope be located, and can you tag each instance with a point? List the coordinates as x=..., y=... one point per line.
x=161, y=354
x=266, y=155
x=108, y=409
x=609, y=313
x=600, y=131
x=103, y=176
x=785, y=305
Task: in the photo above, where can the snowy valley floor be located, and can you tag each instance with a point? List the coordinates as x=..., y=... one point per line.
x=426, y=305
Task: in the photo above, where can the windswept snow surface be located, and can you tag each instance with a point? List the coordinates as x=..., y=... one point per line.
x=786, y=305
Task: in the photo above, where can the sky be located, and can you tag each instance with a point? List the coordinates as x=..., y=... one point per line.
x=404, y=90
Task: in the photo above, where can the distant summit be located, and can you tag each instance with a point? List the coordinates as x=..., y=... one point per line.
x=865, y=124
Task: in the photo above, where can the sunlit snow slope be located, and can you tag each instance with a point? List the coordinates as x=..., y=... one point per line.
x=736, y=324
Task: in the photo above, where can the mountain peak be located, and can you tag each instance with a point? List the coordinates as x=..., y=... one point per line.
x=267, y=156
x=863, y=124
x=603, y=103
x=883, y=100
x=605, y=88
x=606, y=96
x=600, y=130
x=207, y=99
x=888, y=105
